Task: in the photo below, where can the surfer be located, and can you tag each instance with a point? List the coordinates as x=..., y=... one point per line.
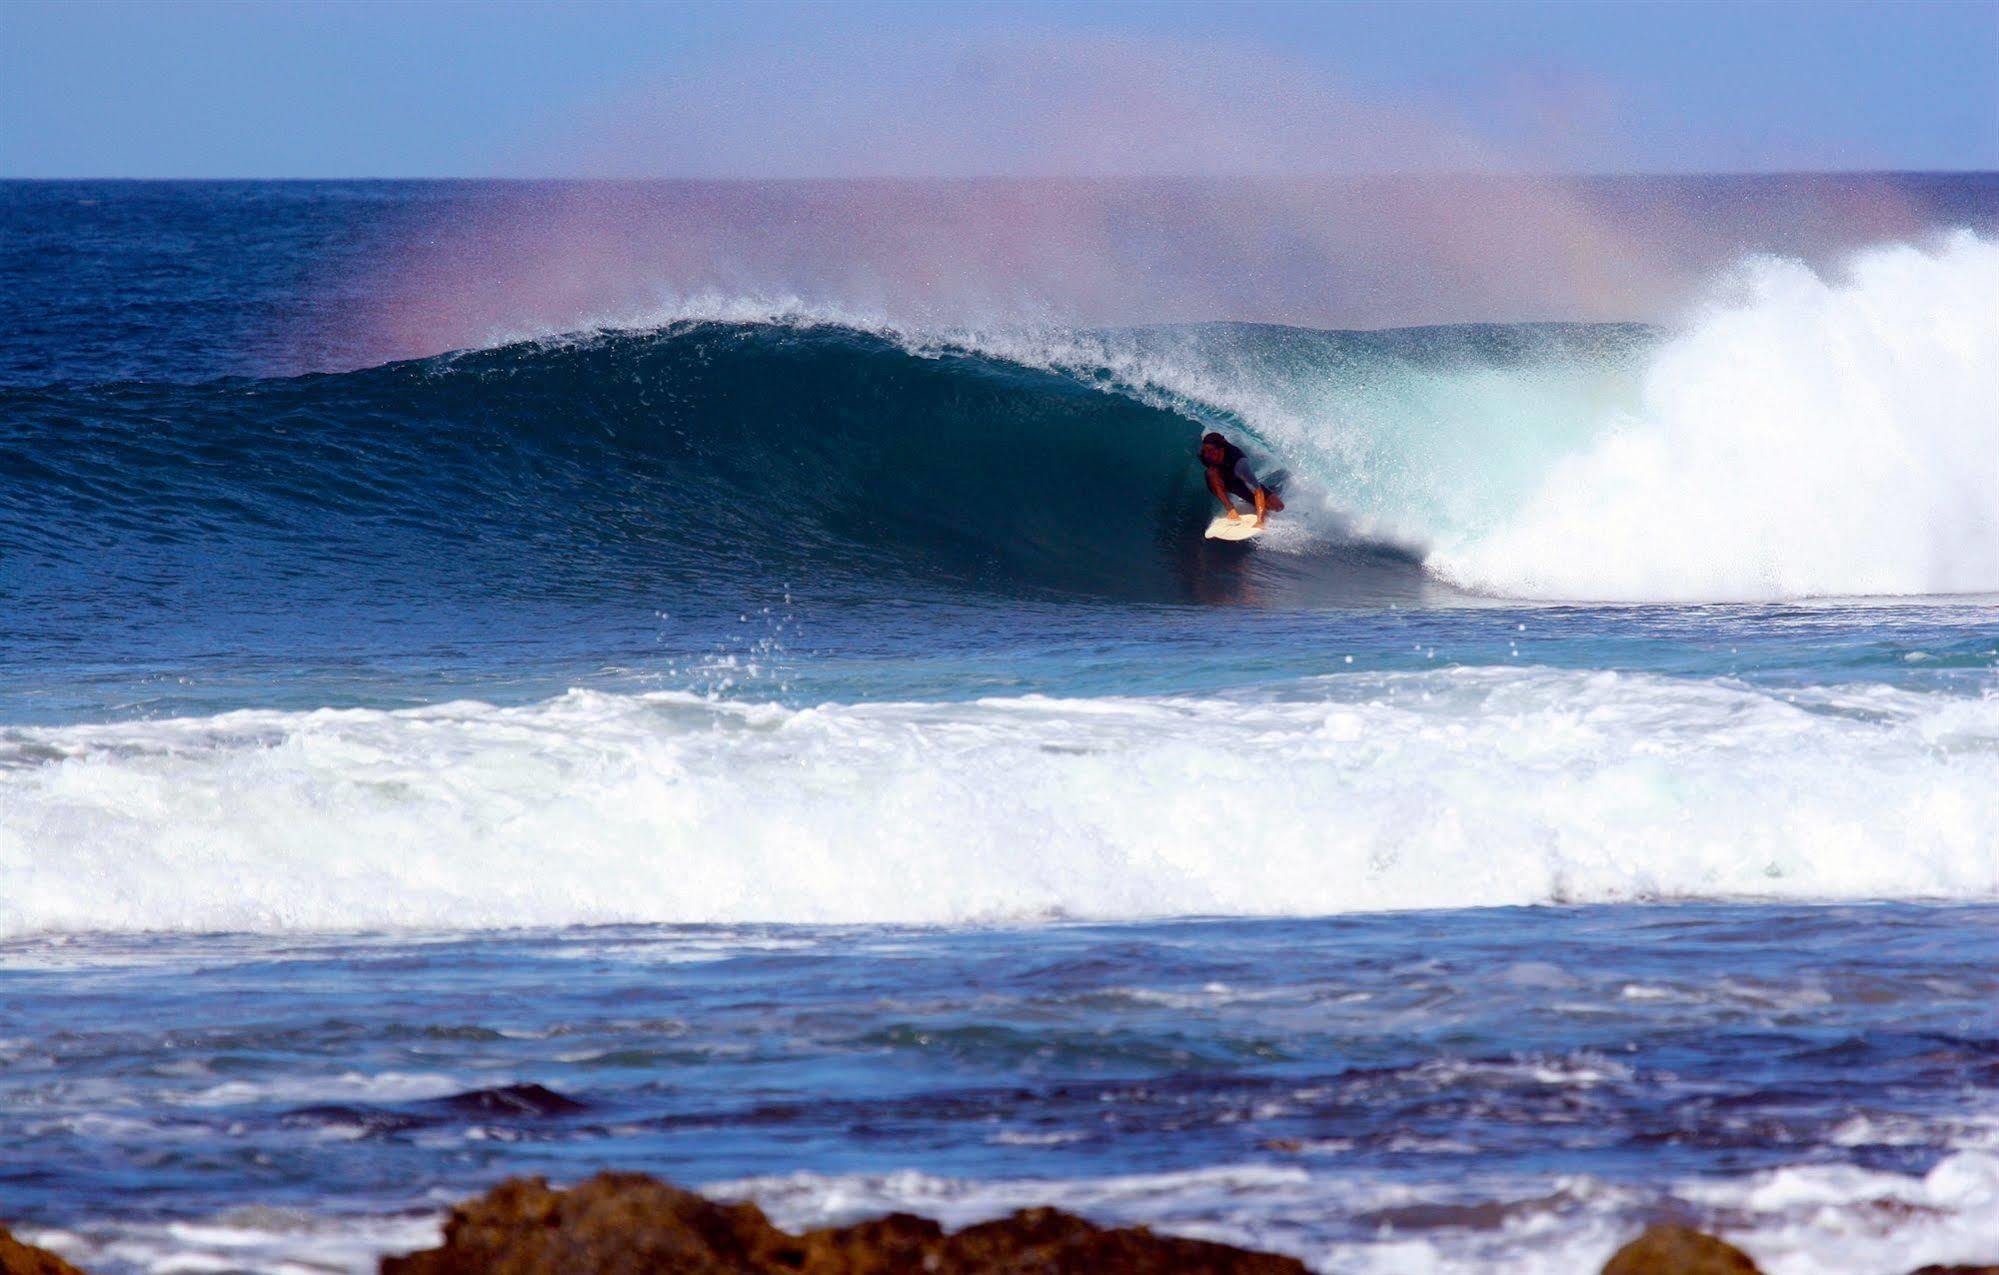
x=1229, y=474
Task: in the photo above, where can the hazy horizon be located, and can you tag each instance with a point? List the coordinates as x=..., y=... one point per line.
x=458, y=91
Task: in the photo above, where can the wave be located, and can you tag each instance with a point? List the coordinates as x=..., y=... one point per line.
x=1805, y=436
x=1801, y=434
x=1466, y=787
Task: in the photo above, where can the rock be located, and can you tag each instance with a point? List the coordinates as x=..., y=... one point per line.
x=17, y=1258
x=630, y=1224
x=1679, y=1250
x=1050, y=1240
x=616, y=1224
x=514, y=1100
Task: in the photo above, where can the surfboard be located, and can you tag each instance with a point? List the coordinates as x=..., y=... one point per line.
x=1244, y=528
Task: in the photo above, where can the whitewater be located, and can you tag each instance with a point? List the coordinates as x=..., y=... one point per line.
x=1802, y=437
x=1465, y=788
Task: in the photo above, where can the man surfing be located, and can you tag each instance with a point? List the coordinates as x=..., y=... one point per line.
x=1229, y=474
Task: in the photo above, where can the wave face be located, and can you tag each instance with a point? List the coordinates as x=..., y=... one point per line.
x=1460, y=787
x=702, y=452
x=1804, y=436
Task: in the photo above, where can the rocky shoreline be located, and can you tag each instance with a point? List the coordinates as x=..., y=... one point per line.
x=632, y=1224
x=17, y=1258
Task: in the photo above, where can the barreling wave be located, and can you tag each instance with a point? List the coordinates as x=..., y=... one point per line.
x=1804, y=437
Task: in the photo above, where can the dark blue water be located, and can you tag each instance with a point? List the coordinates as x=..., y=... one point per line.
x=1308, y=1083
x=504, y=678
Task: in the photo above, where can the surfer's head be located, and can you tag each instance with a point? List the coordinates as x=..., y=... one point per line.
x=1214, y=449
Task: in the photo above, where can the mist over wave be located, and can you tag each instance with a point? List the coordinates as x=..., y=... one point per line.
x=1463, y=787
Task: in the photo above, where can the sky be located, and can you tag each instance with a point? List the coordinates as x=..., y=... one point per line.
x=451, y=88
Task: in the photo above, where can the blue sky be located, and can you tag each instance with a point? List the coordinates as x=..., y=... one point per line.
x=370, y=88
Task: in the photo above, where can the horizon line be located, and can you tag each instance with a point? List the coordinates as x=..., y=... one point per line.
x=975, y=178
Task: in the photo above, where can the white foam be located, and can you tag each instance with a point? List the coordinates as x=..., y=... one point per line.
x=1822, y=1220
x=1805, y=436
x=254, y=1238
x=1453, y=788
x=390, y=1086
x=1832, y=1218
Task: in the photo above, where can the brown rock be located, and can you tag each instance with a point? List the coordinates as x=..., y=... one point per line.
x=1679, y=1250
x=616, y=1224
x=17, y=1258
x=630, y=1224
x=1049, y=1240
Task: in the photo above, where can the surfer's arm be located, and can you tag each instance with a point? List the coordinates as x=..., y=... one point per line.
x=1221, y=492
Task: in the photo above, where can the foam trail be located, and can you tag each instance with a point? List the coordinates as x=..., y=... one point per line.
x=1806, y=437
x=1447, y=789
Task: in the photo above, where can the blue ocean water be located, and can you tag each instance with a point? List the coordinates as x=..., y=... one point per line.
x=1503, y=1088
x=807, y=748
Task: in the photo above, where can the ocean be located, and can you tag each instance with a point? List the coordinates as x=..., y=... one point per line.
x=480, y=696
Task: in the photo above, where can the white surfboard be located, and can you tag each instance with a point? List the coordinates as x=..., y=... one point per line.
x=1243, y=528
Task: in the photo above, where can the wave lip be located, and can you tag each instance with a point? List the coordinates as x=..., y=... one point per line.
x=1455, y=788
